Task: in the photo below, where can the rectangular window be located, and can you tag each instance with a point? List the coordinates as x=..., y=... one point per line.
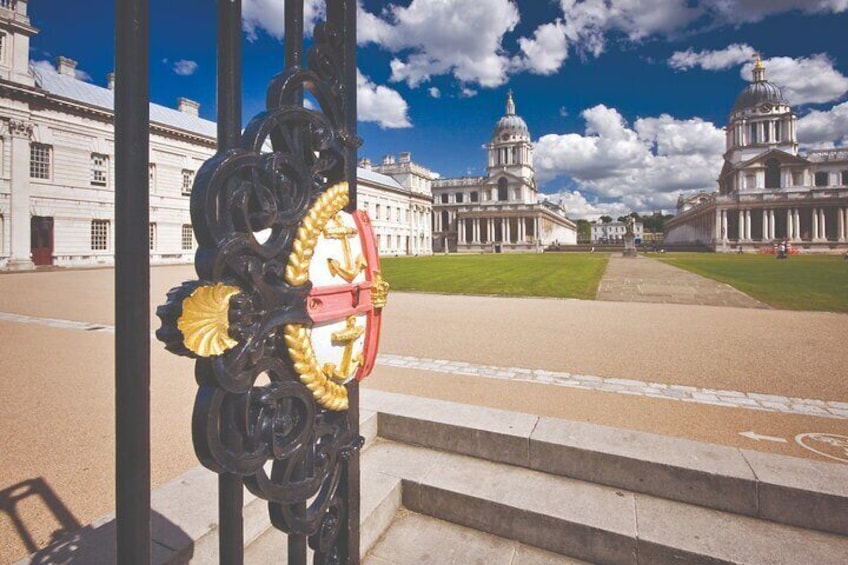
x=151, y=175
x=39, y=160
x=844, y=178
x=777, y=131
x=797, y=178
x=99, y=169
x=388, y=212
x=151, y=236
x=754, y=138
x=188, y=180
x=99, y=235
x=459, y=197
x=397, y=214
x=376, y=211
x=445, y=198
x=2, y=47
x=475, y=197
x=187, y=238
x=821, y=179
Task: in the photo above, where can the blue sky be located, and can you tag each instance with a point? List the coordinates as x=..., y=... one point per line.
x=625, y=99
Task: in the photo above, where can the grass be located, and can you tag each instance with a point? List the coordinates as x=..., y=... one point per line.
x=561, y=275
x=802, y=282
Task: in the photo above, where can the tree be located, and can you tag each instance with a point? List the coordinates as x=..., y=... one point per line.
x=605, y=219
x=584, y=230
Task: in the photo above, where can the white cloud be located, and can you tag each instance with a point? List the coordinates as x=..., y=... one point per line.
x=718, y=60
x=587, y=22
x=435, y=37
x=823, y=128
x=269, y=16
x=644, y=166
x=466, y=92
x=380, y=104
x=545, y=53
x=47, y=67
x=434, y=92
x=578, y=206
x=805, y=80
x=184, y=67
x=749, y=11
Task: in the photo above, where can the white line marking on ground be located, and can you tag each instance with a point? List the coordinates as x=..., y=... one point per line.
x=726, y=398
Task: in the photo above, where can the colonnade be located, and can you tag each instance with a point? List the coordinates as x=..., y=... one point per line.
x=497, y=230
x=773, y=219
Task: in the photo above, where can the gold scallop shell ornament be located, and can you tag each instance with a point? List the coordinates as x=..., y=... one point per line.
x=204, y=322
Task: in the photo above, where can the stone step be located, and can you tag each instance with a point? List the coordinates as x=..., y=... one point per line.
x=413, y=539
x=591, y=522
x=185, y=519
x=789, y=490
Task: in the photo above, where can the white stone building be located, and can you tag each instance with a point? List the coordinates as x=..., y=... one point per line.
x=399, y=201
x=500, y=212
x=767, y=191
x=57, y=168
x=614, y=232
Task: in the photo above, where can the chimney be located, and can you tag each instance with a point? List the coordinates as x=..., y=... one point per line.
x=388, y=159
x=66, y=66
x=365, y=163
x=110, y=81
x=188, y=106
x=405, y=157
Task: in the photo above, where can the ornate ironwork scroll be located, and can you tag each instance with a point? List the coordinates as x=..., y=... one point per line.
x=257, y=212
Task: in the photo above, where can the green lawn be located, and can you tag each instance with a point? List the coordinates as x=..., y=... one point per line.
x=562, y=275
x=802, y=282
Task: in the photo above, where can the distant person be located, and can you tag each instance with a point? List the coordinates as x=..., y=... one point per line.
x=592, y=250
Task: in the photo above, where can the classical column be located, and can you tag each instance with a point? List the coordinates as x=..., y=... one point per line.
x=507, y=231
x=772, y=226
x=823, y=224
x=748, y=225
x=815, y=235
x=460, y=230
x=537, y=237
x=492, y=230
x=797, y=221
x=765, y=231
x=840, y=216
x=522, y=228
x=19, y=205
x=717, y=236
x=724, y=233
x=741, y=230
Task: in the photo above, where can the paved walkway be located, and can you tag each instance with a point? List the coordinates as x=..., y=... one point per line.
x=643, y=279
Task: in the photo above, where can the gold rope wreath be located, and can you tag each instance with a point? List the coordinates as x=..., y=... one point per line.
x=330, y=395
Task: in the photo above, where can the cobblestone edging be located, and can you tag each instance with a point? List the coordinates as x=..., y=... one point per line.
x=727, y=398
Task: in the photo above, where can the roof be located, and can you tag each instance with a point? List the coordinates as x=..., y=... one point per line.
x=377, y=178
x=83, y=92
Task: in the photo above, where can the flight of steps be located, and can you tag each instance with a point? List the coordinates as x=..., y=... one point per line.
x=451, y=483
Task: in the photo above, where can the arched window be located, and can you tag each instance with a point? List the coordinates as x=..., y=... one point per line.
x=772, y=173
x=503, y=192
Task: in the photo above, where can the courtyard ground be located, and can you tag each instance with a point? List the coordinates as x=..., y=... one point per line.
x=708, y=373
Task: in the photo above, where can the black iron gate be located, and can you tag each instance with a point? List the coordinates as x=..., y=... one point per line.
x=246, y=205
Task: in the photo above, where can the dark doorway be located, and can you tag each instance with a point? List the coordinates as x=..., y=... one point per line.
x=772, y=173
x=41, y=240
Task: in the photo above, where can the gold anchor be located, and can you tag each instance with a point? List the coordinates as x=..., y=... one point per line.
x=350, y=361
x=348, y=271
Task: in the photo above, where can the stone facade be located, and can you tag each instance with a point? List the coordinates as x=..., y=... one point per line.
x=499, y=212
x=57, y=168
x=768, y=192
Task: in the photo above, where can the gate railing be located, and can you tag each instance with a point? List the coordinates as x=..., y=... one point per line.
x=240, y=320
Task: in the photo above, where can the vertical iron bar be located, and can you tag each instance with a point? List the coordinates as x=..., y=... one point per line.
x=349, y=540
x=294, y=41
x=132, y=282
x=230, y=487
x=293, y=61
x=342, y=14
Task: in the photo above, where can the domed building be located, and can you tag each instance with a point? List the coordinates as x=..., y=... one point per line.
x=499, y=212
x=767, y=191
